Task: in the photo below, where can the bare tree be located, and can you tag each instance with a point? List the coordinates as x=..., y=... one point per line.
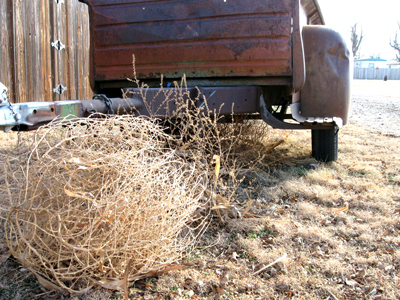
x=375, y=55
x=356, y=40
x=396, y=45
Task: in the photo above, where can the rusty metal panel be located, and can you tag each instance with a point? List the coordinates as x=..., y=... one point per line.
x=326, y=92
x=313, y=12
x=299, y=68
x=199, y=38
x=220, y=100
x=228, y=100
x=162, y=102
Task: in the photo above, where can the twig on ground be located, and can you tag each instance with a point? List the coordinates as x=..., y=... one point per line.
x=271, y=264
x=334, y=297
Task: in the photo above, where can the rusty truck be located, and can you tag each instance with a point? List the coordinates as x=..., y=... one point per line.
x=269, y=59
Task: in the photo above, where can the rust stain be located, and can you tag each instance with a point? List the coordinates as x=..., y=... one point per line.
x=202, y=39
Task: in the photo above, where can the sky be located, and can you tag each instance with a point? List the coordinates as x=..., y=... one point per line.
x=378, y=20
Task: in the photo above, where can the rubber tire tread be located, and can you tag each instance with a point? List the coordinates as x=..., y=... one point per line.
x=324, y=144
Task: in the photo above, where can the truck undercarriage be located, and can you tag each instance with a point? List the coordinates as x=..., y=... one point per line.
x=272, y=59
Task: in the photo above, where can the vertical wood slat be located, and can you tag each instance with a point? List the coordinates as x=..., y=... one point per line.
x=29, y=66
x=85, y=54
x=53, y=60
x=18, y=37
x=62, y=29
x=46, y=50
x=6, y=57
x=57, y=36
x=71, y=39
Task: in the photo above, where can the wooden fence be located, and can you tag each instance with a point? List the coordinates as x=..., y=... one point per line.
x=372, y=73
x=30, y=66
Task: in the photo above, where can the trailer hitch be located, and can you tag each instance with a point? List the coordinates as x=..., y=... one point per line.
x=31, y=115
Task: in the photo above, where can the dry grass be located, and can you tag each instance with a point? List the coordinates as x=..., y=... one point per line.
x=299, y=208
x=351, y=254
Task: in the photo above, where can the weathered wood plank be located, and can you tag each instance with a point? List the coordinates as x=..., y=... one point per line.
x=59, y=25
x=29, y=66
x=19, y=52
x=6, y=56
x=46, y=50
x=85, y=57
x=72, y=48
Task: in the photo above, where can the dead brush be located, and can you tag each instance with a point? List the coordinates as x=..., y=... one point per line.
x=241, y=144
x=107, y=201
x=91, y=198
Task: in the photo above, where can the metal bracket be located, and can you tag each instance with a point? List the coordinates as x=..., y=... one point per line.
x=295, y=108
x=59, y=89
x=8, y=113
x=271, y=120
x=107, y=101
x=58, y=45
x=3, y=95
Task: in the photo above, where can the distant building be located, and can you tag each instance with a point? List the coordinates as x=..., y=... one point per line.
x=393, y=65
x=371, y=63
x=376, y=68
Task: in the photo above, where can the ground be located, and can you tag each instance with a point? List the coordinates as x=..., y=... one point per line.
x=314, y=231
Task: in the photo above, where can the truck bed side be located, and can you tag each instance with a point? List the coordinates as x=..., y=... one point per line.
x=202, y=39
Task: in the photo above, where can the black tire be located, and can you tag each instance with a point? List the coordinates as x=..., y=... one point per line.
x=324, y=144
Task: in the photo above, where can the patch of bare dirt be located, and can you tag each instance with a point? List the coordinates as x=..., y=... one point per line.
x=376, y=105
